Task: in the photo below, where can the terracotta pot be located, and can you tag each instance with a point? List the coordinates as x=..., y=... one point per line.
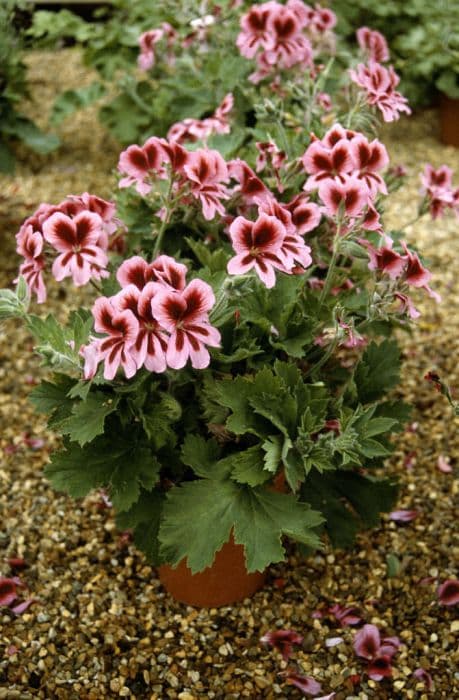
x=449, y=121
x=225, y=582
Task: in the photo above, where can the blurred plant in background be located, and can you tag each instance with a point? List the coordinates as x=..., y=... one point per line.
x=14, y=126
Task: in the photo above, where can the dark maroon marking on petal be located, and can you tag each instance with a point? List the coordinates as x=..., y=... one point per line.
x=194, y=302
x=197, y=329
x=174, y=309
x=66, y=257
x=179, y=340
x=264, y=235
x=336, y=196
x=374, y=158
x=262, y=265
x=339, y=158
x=139, y=340
x=247, y=259
x=364, y=155
x=352, y=197
x=65, y=231
x=136, y=275
x=137, y=158
x=322, y=162
x=84, y=227
x=247, y=234
x=194, y=342
x=116, y=349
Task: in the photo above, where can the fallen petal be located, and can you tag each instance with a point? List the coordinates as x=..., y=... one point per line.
x=424, y=676
x=306, y=684
x=22, y=607
x=448, y=592
x=333, y=642
x=7, y=591
x=403, y=516
x=443, y=465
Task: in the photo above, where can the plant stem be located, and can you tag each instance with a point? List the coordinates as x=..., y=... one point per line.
x=333, y=261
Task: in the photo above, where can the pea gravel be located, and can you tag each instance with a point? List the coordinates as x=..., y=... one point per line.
x=102, y=627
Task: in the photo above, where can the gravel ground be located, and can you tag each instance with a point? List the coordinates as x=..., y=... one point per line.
x=101, y=626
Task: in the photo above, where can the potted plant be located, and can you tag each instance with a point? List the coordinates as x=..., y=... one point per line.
x=228, y=386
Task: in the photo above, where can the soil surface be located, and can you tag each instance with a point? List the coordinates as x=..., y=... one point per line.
x=101, y=625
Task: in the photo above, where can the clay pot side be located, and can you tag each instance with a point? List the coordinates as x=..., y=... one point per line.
x=225, y=582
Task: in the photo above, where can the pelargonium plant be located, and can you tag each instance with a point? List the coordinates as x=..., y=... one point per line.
x=232, y=373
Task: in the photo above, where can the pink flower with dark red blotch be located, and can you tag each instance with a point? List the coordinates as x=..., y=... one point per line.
x=293, y=246
x=258, y=246
x=306, y=215
x=184, y=314
x=349, y=197
x=371, y=220
x=31, y=247
x=369, y=158
x=324, y=101
x=91, y=356
x=448, y=592
x=283, y=641
x=270, y=155
x=322, y=19
x=149, y=348
x=255, y=33
x=163, y=270
x=76, y=241
x=373, y=44
x=323, y=163
x=379, y=84
x=422, y=675
x=290, y=46
x=403, y=516
x=250, y=188
x=192, y=130
x=122, y=329
x=368, y=645
x=206, y=172
x=416, y=275
x=147, y=41
x=335, y=134
x=384, y=259
x=346, y=616
x=141, y=163
x=441, y=177
x=406, y=305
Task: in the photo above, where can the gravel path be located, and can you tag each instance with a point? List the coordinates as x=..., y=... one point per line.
x=101, y=626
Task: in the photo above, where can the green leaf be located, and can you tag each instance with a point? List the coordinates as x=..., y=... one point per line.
x=48, y=396
x=120, y=464
x=200, y=454
x=349, y=502
x=248, y=466
x=70, y=101
x=273, y=452
x=378, y=371
x=88, y=417
x=198, y=518
x=143, y=518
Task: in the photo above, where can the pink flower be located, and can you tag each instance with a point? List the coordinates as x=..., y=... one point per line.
x=293, y=246
x=349, y=197
x=369, y=158
x=164, y=270
x=346, y=616
x=147, y=41
x=31, y=247
x=150, y=346
x=448, y=592
x=206, y=171
x=379, y=85
x=442, y=177
x=322, y=18
x=406, y=305
x=290, y=46
x=324, y=163
x=384, y=259
x=335, y=134
x=306, y=684
x=184, y=314
x=251, y=188
x=193, y=129
x=403, y=516
x=140, y=163
x=282, y=641
x=122, y=328
x=76, y=239
x=306, y=215
x=255, y=32
x=416, y=275
x=91, y=356
x=373, y=43
x=424, y=676
x=324, y=101
x=258, y=245
x=437, y=187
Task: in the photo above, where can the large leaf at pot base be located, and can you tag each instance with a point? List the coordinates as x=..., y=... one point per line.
x=378, y=370
x=119, y=465
x=199, y=516
x=349, y=502
x=143, y=518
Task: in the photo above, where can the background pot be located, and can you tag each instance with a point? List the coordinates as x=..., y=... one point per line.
x=449, y=121
x=223, y=583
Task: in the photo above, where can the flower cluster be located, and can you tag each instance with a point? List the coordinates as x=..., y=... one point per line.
x=190, y=130
x=155, y=321
x=378, y=82
x=345, y=168
x=275, y=35
x=437, y=187
x=79, y=229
